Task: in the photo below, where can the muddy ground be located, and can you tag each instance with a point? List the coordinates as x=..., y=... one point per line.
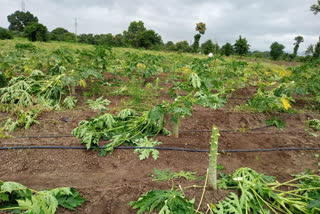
x=110, y=183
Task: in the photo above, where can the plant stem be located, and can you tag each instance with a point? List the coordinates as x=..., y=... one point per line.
x=194, y=186
x=298, y=190
x=9, y=208
x=295, y=179
x=212, y=172
x=204, y=190
x=175, y=128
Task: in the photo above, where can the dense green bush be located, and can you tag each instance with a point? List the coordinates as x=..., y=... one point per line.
x=183, y=46
x=208, y=47
x=58, y=34
x=227, y=49
x=148, y=38
x=170, y=46
x=36, y=32
x=276, y=50
x=25, y=46
x=5, y=34
x=241, y=47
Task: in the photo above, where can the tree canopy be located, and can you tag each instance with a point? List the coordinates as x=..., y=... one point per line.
x=36, y=32
x=276, y=50
x=5, y=34
x=309, y=50
x=315, y=8
x=208, y=47
x=298, y=39
x=148, y=38
x=58, y=34
x=138, y=36
x=170, y=46
x=183, y=46
x=241, y=47
x=227, y=49
x=118, y=40
x=201, y=27
x=131, y=36
x=19, y=20
x=316, y=52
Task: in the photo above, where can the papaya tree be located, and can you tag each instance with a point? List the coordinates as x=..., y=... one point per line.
x=201, y=28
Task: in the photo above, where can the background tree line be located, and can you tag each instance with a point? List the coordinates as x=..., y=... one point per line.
x=138, y=36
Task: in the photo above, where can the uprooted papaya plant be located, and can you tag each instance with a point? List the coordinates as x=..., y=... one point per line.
x=126, y=127
x=16, y=198
x=263, y=194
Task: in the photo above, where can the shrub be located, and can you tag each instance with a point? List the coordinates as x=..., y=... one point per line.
x=5, y=34
x=36, y=32
x=25, y=46
x=276, y=50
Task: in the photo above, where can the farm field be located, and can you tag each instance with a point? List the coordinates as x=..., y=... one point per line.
x=127, y=97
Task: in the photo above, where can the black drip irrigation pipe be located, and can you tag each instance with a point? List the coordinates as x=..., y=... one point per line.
x=48, y=136
x=162, y=148
x=227, y=131
x=182, y=131
x=247, y=130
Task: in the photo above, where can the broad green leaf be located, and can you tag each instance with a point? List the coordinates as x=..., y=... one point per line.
x=70, y=201
x=144, y=153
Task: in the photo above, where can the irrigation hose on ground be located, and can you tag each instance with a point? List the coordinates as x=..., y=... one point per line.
x=163, y=148
x=182, y=131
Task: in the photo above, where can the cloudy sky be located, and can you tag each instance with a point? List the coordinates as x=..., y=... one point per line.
x=260, y=21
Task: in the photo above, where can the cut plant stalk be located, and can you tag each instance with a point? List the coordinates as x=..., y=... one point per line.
x=175, y=128
x=212, y=174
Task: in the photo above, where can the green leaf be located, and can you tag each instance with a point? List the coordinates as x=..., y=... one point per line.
x=99, y=104
x=162, y=175
x=70, y=201
x=166, y=175
x=41, y=202
x=165, y=209
x=61, y=191
x=275, y=121
x=220, y=167
x=44, y=202
x=69, y=102
x=207, y=99
x=314, y=204
x=166, y=201
x=126, y=113
x=4, y=197
x=195, y=80
x=145, y=153
x=12, y=186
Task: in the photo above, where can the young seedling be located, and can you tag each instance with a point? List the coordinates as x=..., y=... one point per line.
x=212, y=174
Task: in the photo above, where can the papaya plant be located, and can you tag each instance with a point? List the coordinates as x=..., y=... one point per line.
x=180, y=108
x=212, y=172
x=16, y=198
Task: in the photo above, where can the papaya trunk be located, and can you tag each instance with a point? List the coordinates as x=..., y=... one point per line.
x=175, y=129
x=212, y=174
x=73, y=90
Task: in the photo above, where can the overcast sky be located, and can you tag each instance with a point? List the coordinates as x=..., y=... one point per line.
x=260, y=21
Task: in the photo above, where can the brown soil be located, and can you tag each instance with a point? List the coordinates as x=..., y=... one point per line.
x=110, y=183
